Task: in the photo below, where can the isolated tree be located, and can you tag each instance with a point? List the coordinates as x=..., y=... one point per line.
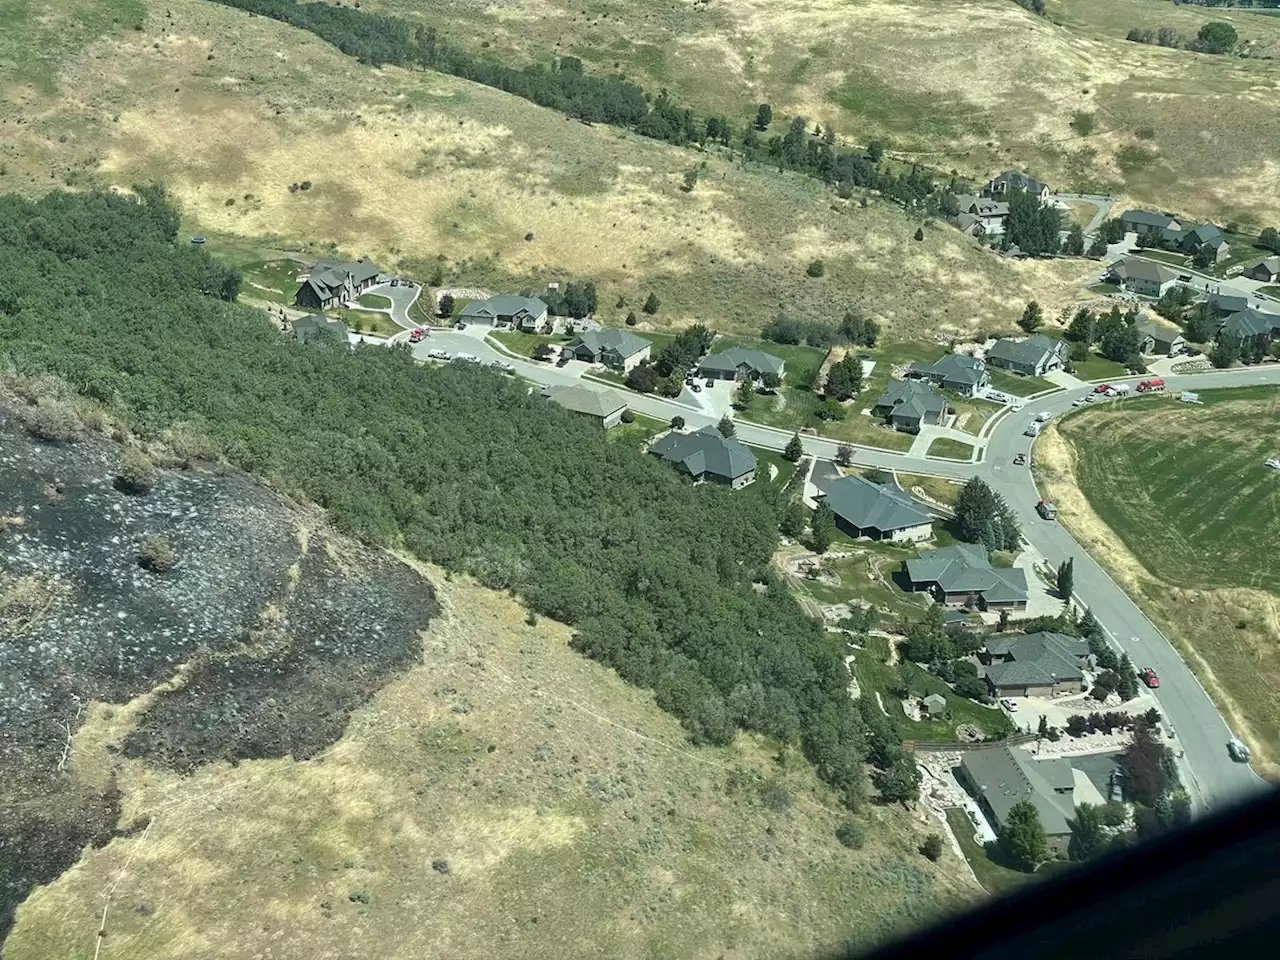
x=764, y=116
x=677, y=423
x=1042, y=731
x=1032, y=317
x=875, y=151
x=982, y=516
x=632, y=319
x=844, y=379
x=823, y=527
x=157, y=554
x=1226, y=351
x=816, y=268
x=1098, y=249
x=1083, y=327
x=1269, y=239
x=770, y=380
x=746, y=392
x=1087, y=838
x=651, y=304
x=900, y=783
x=1074, y=244
x=919, y=234
x=1143, y=763
x=1023, y=839
x=726, y=427
x=1066, y=578
x=794, y=519
x=137, y=473
x=932, y=847
x=795, y=449
x=844, y=454
x=1216, y=37
x=642, y=378
x=830, y=409
x=690, y=180
x=446, y=305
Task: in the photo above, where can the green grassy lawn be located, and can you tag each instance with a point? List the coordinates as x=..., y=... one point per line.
x=803, y=363
x=376, y=300
x=1184, y=487
x=1016, y=384
x=1243, y=250
x=1270, y=291
x=523, y=344
x=1105, y=289
x=972, y=414
x=637, y=433
x=1165, y=256
x=944, y=491
x=954, y=449
x=767, y=459
x=874, y=674
x=272, y=280
x=996, y=878
x=365, y=321
x=612, y=376
x=1099, y=368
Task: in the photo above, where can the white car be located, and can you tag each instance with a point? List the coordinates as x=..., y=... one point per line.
x=1091, y=398
x=438, y=354
x=1044, y=417
x=1009, y=704
x=1080, y=402
x=503, y=366
x=1018, y=407
x=467, y=358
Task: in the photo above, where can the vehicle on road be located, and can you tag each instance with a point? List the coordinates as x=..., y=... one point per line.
x=1047, y=510
x=1102, y=388
x=695, y=388
x=1120, y=390
x=1184, y=278
x=502, y=365
x=438, y=354
x=418, y=335
x=1019, y=459
x=1146, y=386
x=467, y=358
x=1009, y=704
x=1033, y=429
x=1149, y=677
x=1044, y=417
x=1115, y=786
x=1239, y=750
x=1080, y=401
x=1019, y=407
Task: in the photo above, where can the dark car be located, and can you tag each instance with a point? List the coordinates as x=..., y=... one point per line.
x=563, y=361
x=1019, y=459
x=710, y=382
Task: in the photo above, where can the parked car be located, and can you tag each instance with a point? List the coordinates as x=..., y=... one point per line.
x=460, y=326
x=1019, y=459
x=1009, y=704
x=1044, y=417
x=395, y=283
x=688, y=381
x=997, y=396
x=418, y=335
x=1184, y=278
x=1080, y=402
x=695, y=388
x=467, y=358
x=1102, y=388
x=710, y=382
x=1115, y=786
x=1149, y=677
x=1238, y=750
x=438, y=354
x=563, y=361
x=1091, y=398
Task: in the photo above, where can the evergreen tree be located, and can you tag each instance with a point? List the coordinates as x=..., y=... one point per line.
x=982, y=516
x=1226, y=351
x=844, y=454
x=746, y=393
x=764, y=116
x=1120, y=342
x=900, y=783
x=726, y=427
x=1098, y=249
x=1074, y=244
x=1023, y=839
x=1127, y=676
x=1032, y=317
x=770, y=380
x=651, y=304
x=794, y=450
x=1066, y=578
x=446, y=305
x=1087, y=838
x=1083, y=327
x=794, y=519
x=1143, y=763
x=823, y=527
x=932, y=847
x=844, y=379
x=1269, y=239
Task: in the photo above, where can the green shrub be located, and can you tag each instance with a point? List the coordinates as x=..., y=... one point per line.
x=137, y=473
x=932, y=847
x=852, y=834
x=52, y=421
x=157, y=554
x=816, y=269
x=628, y=416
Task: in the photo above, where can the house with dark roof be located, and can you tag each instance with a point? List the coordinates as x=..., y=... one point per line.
x=909, y=404
x=962, y=576
x=1252, y=326
x=878, y=511
x=963, y=374
x=316, y=327
x=706, y=455
x=1233, y=301
x=604, y=405
x=1144, y=277
x=1146, y=223
x=988, y=213
x=739, y=363
x=1035, y=664
x=616, y=349
x=1009, y=181
x=999, y=777
x=332, y=283
x=1193, y=239
x=506, y=310
x=1157, y=340
x=1033, y=357
x=1266, y=270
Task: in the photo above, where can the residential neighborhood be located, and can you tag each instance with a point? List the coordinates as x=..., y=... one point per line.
x=1033, y=357
x=877, y=510
x=708, y=455
x=910, y=404
x=740, y=364
x=965, y=375
x=528, y=314
x=618, y=350
x=961, y=576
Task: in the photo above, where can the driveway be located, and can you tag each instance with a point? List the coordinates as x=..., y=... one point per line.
x=402, y=297
x=1102, y=205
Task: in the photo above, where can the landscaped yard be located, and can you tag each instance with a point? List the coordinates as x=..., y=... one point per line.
x=996, y=878
x=1165, y=256
x=869, y=578
x=638, y=432
x=1105, y=289
x=523, y=344
x=1016, y=384
x=375, y=300
x=802, y=362
x=1099, y=368
x=954, y=449
x=943, y=491
x=273, y=280
x=1270, y=291
x=773, y=471
x=365, y=321
x=1178, y=502
x=972, y=414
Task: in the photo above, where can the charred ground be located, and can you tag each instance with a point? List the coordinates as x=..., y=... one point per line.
x=264, y=635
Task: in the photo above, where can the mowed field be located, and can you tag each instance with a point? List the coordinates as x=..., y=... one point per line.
x=507, y=797
x=420, y=169
x=1177, y=501
x=979, y=86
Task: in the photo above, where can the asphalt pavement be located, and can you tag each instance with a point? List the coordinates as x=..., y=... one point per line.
x=1215, y=780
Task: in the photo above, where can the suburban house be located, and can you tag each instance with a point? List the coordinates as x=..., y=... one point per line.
x=739, y=363
x=315, y=327
x=332, y=283
x=910, y=404
x=1001, y=776
x=706, y=455
x=989, y=214
x=1157, y=340
x=1233, y=301
x=962, y=576
x=617, y=349
x=963, y=374
x=1266, y=270
x=1144, y=277
x=1032, y=357
x=878, y=511
x=506, y=310
x=1191, y=240
x=1011, y=180
x=604, y=404
x=970, y=224
x=1144, y=223
x=1252, y=326
x=1035, y=664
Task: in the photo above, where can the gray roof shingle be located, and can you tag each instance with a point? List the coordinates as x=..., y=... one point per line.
x=865, y=504
x=1008, y=775
x=966, y=568
x=1251, y=323
x=728, y=361
x=600, y=403
x=1030, y=351
x=705, y=451
x=627, y=344
x=912, y=398
x=1131, y=268
x=1146, y=218
x=1037, y=658
x=503, y=305
x=954, y=367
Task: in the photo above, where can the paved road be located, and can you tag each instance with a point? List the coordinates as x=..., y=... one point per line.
x=1216, y=781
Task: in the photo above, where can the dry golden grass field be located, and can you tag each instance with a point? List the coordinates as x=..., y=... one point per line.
x=1175, y=500
x=981, y=85
x=506, y=797
x=229, y=111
